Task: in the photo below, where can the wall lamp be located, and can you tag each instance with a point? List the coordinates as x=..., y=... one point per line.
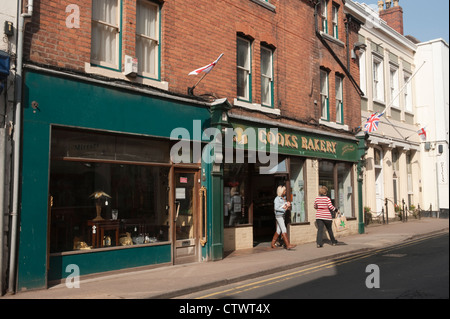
x=357, y=47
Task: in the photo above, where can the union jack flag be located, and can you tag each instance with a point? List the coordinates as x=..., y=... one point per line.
x=372, y=122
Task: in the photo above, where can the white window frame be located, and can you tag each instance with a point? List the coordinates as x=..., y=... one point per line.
x=339, y=85
x=324, y=13
x=335, y=21
x=393, y=86
x=244, y=68
x=148, y=68
x=324, y=95
x=407, y=92
x=267, y=79
x=378, y=79
x=96, y=44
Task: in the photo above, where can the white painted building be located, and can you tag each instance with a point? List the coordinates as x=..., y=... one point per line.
x=392, y=174
x=432, y=93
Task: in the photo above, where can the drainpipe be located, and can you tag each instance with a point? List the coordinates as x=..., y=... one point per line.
x=347, y=22
x=2, y=200
x=333, y=54
x=17, y=145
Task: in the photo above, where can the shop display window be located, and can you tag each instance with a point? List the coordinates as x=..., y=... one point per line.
x=326, y=178
x=236, y=194
x=97, y=199
x=345, y=189
x=298, y=213
x=337, y=177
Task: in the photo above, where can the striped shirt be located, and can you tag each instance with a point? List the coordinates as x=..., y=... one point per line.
x=323, y=206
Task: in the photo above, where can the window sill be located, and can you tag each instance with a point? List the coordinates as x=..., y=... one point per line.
x=265, y=4
x=379, y=102
x=88, y=68
x=300, y=224
x=332, y=39
x=334, y=125
x=239, y=225
x=256, y=107
x=109, y=248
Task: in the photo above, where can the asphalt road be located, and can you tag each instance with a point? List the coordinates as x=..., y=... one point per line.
x=416, y=269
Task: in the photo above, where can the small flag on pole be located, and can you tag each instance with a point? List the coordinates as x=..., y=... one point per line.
x=422, y=134
x=372, y=122
x=206, y=68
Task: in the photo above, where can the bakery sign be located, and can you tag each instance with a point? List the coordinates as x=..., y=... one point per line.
x=290, y=142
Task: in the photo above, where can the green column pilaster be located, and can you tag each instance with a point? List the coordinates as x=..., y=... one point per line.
x=361, y=136
x=217, y=215
x=219, y=120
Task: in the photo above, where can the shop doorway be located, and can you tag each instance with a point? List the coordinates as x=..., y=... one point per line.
x=264, y=193
x=379, y=180
x=186, y=217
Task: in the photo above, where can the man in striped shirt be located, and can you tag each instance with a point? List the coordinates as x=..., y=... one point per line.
x=324, y=208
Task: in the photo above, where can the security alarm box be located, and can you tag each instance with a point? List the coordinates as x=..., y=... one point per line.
x=131, y=66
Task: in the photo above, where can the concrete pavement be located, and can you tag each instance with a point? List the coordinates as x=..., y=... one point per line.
x=172, y=281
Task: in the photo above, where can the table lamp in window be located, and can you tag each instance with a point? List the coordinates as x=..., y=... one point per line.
x=99, y=196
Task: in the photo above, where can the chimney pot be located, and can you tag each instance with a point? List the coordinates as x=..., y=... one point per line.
x=388, y=4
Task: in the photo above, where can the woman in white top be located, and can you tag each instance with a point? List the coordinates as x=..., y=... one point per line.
x=280, y=207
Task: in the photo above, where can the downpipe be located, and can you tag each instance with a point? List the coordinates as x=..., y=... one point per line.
x=17, y=136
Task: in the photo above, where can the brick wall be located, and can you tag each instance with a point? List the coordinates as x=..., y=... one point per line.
x=394, y=18
x=48, y=40
x=194, y=33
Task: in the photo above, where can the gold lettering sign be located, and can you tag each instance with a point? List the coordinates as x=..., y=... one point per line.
x=296, y=144
x=291, y=141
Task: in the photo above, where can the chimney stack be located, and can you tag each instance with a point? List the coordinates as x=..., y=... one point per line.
x=393, y=15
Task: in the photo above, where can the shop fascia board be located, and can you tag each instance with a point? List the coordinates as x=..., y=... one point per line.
x=390, y=142
x=291, y=127
x=130, y=87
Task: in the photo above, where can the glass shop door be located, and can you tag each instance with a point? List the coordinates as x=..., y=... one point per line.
x=186, y=215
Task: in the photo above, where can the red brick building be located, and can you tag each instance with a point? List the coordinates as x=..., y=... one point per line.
x=193, y=34
x=101, y=123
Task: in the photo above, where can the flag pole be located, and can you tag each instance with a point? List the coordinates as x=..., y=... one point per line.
x=199, y=81
x=404, y=85
x=191, y=89
x=392, y=101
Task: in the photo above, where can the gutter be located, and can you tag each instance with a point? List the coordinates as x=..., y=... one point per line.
x=17, y=144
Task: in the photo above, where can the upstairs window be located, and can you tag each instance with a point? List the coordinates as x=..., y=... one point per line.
x=324, y=6
x=105, y=40
x=266, y=77
x=378, y=83
x=394, y=86
x=324, y=94
x=408, y=94
x=243, y=69
x=339, y=100
x=335, y=21
x=147, y=38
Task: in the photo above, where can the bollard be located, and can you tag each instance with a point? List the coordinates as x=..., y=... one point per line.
x=387, y=211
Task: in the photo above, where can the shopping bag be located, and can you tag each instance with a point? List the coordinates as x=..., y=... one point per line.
x=340, y=222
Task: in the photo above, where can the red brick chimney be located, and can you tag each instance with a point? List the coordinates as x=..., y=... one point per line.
x=393, y=15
